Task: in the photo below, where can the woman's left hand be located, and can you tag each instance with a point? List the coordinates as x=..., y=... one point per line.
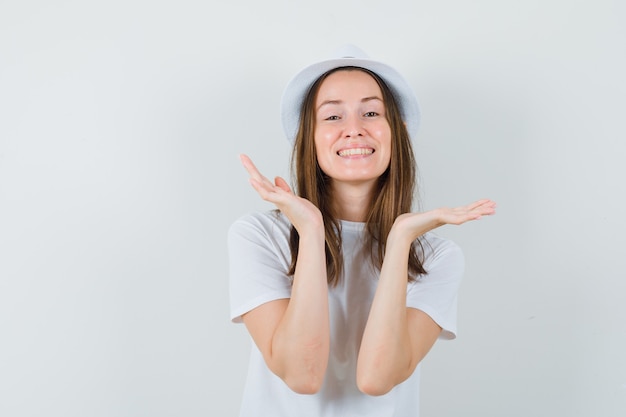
x=413, y=225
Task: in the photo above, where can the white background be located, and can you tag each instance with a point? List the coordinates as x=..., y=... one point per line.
x=120, y=125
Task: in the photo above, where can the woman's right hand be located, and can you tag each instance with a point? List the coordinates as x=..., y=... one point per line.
x=293, y=334
x=301, y=212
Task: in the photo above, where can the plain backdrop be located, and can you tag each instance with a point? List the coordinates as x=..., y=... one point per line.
x=120, y=126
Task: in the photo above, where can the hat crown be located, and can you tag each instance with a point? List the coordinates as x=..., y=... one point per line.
x=347, y=55
x=349, y=51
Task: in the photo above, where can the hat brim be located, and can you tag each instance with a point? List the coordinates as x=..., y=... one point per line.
x=298, y=87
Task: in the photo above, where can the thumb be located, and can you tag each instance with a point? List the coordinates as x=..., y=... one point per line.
x=282, y=184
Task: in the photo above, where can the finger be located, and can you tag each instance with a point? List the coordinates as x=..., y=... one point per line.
x=259, y=187
x=487, y=208
x=249, y=166
x=252, y=169
x=478, y=203
x=267, y=192
x=282, y=184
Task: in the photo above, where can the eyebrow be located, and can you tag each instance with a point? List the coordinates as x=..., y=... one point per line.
x=363, y=100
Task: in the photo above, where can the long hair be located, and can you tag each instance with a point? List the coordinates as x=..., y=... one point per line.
x=393, y=196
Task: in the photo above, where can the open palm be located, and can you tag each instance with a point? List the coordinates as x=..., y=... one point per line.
x=413, y=225
x=300, y=212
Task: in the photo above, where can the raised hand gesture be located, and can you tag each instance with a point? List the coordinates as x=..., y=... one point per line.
x=301, y=213
x=412, y=225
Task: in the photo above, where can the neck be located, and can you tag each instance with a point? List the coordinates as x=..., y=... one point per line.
x=351, y=202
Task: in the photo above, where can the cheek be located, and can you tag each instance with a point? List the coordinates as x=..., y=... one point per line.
x=319, y=141
x=322, y=136
x=323, y=142
x=384, y=132
x=383, y=135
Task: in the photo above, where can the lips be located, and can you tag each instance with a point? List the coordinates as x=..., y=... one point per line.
x=355, y=152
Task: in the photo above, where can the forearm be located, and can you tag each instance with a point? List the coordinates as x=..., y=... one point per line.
x=385, y=355
x=300, y=346
x=390, y=349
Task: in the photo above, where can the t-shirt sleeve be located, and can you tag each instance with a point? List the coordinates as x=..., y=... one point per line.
x=259, y=259
x=435, y=293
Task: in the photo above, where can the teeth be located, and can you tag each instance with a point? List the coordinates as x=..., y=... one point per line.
x=355, y=151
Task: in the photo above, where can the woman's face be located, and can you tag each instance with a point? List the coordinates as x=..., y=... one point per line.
x=352, y=135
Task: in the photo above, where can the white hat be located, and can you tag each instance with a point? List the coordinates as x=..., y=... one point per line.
x=347, y=56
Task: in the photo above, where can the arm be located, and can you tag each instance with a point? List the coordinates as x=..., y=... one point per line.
x=294, y=334
x=397, y=338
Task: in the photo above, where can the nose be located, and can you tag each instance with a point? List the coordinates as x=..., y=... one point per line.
x=353, y=128
x=352, y=134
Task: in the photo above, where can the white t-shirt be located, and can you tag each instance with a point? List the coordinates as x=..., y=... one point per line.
x=259, y=256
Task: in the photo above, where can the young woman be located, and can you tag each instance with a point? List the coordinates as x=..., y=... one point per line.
x=343, y=288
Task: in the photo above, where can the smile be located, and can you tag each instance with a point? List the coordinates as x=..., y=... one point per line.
x=355, y=151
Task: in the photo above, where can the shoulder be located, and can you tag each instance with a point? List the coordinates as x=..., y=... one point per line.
x=259, y=259
x=436, y=292
x=263, y=222
x=267, y=228
x=436, y=249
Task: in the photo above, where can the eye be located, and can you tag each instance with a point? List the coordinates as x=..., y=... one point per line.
x=371, y=114
x=332, y=118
